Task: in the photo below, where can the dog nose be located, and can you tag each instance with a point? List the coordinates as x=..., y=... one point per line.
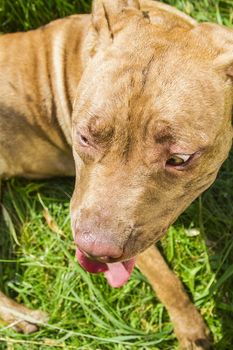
x=96, y=246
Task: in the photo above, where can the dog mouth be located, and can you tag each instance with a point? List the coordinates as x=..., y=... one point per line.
x=116, y=273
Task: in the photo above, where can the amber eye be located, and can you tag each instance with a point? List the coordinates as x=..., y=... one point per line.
x=83, y=140
x=178, y=159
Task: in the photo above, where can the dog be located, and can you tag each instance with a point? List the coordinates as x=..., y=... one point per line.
x=135, y=100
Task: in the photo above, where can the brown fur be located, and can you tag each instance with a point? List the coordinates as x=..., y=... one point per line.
x=138, y=81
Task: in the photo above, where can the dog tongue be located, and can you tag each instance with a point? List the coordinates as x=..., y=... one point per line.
x=117, y=274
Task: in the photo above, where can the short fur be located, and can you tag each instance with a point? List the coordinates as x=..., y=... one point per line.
x=124, y=89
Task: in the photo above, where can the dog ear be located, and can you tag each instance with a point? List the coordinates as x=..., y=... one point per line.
x=106, y=14
x=220, y=40
x=225, y=62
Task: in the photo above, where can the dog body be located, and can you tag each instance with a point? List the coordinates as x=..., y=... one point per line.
x=39, y=71
x=142, y=95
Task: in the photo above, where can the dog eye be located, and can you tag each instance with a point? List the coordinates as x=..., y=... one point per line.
x=83, y=140
x=178, y=159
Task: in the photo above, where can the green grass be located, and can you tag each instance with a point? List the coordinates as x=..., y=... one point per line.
x=38, y=267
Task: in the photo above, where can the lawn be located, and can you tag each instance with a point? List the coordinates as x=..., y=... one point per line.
x=38, y=267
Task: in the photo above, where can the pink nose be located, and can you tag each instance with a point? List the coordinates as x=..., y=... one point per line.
x=97, y=246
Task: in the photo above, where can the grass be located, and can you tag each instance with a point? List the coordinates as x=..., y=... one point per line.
x=38, y=267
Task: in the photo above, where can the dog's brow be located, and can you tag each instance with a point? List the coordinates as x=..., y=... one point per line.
x=163, y=137
x=100, y=129
x=161, y=131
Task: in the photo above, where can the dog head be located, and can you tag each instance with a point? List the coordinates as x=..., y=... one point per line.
x=151, y=126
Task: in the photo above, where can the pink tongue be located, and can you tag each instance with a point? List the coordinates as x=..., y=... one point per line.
x=117, y=274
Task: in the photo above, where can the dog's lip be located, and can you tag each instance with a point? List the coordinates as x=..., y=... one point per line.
x=117, y=273
x=102, y=259
x=90, y=265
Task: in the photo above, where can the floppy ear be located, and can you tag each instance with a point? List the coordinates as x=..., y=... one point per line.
x=221, y=39
x=106, y=14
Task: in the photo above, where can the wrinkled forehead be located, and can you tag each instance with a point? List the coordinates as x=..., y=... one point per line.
x=153, y=86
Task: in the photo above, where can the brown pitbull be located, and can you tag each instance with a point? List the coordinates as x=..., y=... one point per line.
x=142, y=95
